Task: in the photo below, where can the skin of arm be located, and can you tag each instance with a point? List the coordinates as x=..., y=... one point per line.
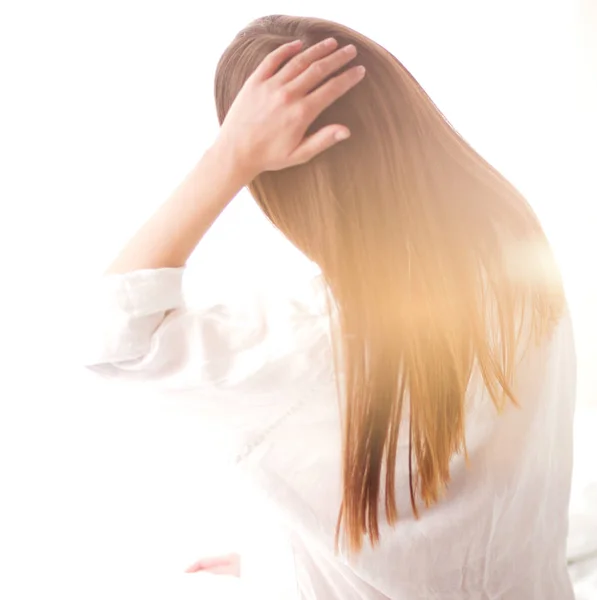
x=169, y=237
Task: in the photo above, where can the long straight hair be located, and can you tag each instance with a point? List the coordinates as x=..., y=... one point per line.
x=435, y=262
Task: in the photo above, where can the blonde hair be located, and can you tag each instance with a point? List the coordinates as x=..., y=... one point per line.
x=413, y=232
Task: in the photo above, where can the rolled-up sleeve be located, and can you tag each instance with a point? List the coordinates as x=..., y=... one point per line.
x=136, y=326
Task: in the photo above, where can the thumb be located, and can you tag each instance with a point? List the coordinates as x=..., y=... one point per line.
x=316, y=143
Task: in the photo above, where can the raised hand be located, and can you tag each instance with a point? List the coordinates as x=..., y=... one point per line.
x=266, y=125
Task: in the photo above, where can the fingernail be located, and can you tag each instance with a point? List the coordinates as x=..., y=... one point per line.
x=343, y=134
x=330, y=42
x=361, y=70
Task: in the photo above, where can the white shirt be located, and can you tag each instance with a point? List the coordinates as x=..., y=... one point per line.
x=499, y=532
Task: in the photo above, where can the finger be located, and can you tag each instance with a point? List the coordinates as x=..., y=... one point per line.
x=320, y=70
x=214, y=561
x=207, y=564
x=321, y=140
x=272, y=62
x=302, y=61
x=194, y=568
x=324, y=96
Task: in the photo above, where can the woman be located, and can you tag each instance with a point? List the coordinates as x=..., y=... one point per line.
x=417, y=436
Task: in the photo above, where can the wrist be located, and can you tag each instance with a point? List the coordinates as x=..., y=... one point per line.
x=226, y=159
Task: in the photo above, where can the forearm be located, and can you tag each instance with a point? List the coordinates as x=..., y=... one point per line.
x=169, y=237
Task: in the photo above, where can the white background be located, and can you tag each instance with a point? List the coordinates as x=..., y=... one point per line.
x=104, y=107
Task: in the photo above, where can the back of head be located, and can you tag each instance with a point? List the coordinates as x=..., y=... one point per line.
x=416, y=235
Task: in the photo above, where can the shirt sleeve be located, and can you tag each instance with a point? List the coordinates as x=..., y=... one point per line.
x=136, y=327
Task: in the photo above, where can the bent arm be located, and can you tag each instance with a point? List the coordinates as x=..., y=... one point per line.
x=169, y=237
